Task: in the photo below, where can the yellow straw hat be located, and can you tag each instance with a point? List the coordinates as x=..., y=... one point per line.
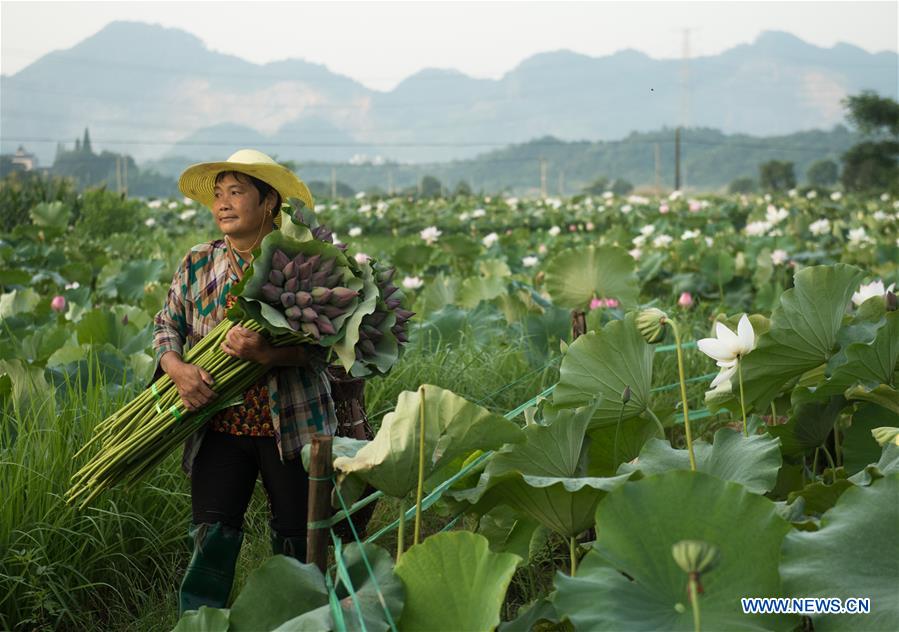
x=198, y=181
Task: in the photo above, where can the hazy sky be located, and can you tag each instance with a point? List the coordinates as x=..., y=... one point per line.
x=371, y=41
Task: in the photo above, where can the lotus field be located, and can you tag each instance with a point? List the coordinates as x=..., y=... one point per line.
x=727, y=427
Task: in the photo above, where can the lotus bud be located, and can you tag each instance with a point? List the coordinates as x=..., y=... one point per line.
x=290, y=270
x=288, y=299
x=368, y=347
x=304, y=299
x=292, y=284
x=325, y=325
x=58, y=304
x=392, y=303
x=885, y=435
x=311, y=329
x=695, y=556
x=279, y=259
x=309, y=314
x=651, y=324
x=333, y=279
x=271, y=293
x=331, y=311
x=342, y=296
x=276, y=277
x=318, y=279
x=327, y=266
x=293, y=313
x=321, y=295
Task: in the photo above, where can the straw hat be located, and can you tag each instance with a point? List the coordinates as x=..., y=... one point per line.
x=198, y=181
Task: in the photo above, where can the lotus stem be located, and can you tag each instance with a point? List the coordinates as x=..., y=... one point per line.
x=694, y=601
x=742, y=399
x=572, y=546
x=421, y=465
x=683, y=393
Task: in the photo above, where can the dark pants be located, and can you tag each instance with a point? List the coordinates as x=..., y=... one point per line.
x=224, y=474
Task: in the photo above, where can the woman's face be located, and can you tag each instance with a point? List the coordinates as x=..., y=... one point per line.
x=237, y=208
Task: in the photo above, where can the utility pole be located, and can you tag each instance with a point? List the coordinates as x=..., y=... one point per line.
x=658, y=157
x=333, y=183
x=677, y=159
x=542, y=177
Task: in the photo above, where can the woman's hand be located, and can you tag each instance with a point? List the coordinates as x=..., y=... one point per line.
x=245, y=344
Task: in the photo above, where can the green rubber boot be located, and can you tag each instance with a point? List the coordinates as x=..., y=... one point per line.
x=292, y=546
x=208, y=579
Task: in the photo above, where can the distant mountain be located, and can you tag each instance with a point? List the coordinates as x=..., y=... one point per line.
x=158, y=93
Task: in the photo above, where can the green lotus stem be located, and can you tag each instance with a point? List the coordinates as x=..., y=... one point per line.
x=401, y=530
x=742, y=400
x=694, y=601
x=683, y=393
x=830, y=460
x=572, y=546
x=421, y=465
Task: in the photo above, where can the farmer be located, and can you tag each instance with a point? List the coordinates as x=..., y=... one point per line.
x=264, y=433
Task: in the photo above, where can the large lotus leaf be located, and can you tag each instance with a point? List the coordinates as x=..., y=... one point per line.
x=249, y=291
x=803, y=335
x=575, y=276
x=453, y=426
x=279, y=590
x=366, y=590
x=346, y=347
x=751, y=461
x=205, y=619
x=855, y=553
x=545, y=478
x=639, y=522
x=601, y=365
x=454, y=582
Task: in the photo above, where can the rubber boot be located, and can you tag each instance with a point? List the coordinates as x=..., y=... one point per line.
x=292, y=546
x=208, y=579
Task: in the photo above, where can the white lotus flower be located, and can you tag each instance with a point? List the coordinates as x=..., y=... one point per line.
x=779, y=257
x=489, y=240
x=530, y=261
x=430, y=234
x=820, y=227
x=554, y=231
x=412, y=283
x=355, y=231
x=728, y=347
x=874, y=288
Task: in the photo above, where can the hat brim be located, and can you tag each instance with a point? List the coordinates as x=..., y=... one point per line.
x=198, y=181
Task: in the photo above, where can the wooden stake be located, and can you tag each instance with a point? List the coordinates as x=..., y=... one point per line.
x=321, y=468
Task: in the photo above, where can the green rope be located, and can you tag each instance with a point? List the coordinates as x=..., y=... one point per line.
x=344, y=576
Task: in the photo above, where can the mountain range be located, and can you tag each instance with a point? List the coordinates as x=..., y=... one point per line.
x=159, y=93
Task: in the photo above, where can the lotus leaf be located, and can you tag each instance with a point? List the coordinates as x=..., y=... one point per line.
x=684, y=506
x=855, y=553
x=454, y=582
x=453, y=427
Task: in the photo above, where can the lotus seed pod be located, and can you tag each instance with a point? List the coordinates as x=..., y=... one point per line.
x=331, y=311
x=292, y=284
x=294, y=324
x=305, y=285
x=368, y=347
x=271, y=293
x=327, y=266
x=318, y=279
x=321, y=295
x=276, y=277
x=651, y=324
x=279, y=259
x=311, y=329
x=324, y=325
x=392, y=303
x=695, y=556
x=293, y=313
x=288, y=299
x=304, y=299
x=885, y=435
x=342, y=296
x=333, y=279
x=309, y=314
x=305, y=270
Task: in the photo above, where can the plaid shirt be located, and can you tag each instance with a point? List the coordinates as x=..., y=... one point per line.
x=300, y=399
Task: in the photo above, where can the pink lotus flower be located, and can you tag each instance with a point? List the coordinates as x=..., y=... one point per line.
x=685, y=300
x=58, y=304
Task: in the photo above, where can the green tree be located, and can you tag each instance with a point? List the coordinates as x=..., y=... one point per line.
x=822, y=173
x=873, y=164
x=777, y=175
x=744, y=184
